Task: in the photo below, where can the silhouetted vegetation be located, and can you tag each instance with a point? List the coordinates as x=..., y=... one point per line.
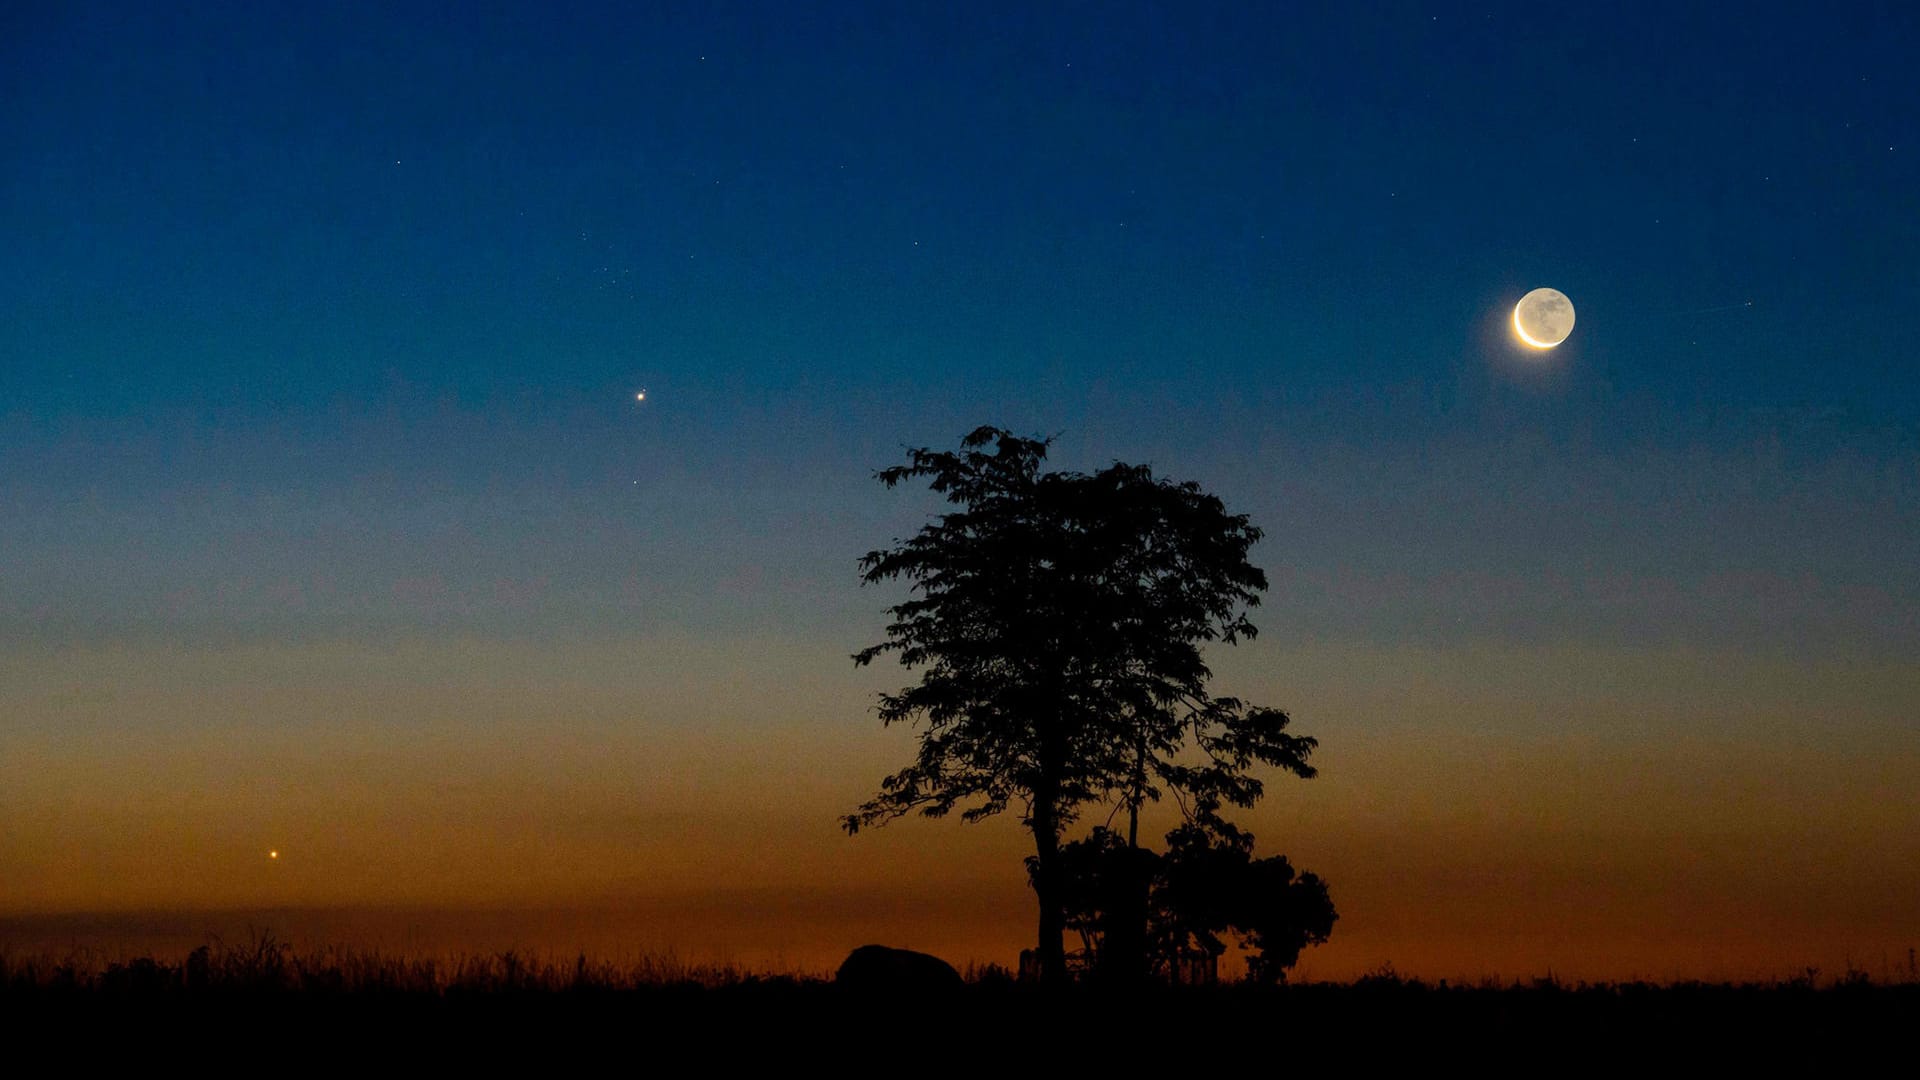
x=226, y=996
x=1141, y=914
x=1057, y=620
x=265, y=965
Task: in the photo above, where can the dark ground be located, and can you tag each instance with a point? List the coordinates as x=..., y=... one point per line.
x=308, y=1022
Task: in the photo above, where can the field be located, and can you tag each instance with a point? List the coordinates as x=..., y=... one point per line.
x=264, y=998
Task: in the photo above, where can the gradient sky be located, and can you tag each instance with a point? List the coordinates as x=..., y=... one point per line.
x=329, y=523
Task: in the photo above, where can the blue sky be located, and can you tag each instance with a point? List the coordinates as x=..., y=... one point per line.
x=373, y=287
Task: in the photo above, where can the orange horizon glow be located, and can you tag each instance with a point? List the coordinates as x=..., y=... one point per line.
x=1600, y=813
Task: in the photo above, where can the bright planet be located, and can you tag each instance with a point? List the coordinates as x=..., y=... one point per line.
x=1543, y=318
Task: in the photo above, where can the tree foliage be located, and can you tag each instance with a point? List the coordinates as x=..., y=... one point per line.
x=1138, y=912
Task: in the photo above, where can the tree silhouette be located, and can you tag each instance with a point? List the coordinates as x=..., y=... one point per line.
x=1139, y=912
x=1057, y=620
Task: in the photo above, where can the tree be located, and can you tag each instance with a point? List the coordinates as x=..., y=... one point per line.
x=1057, y=621
x=1206, y=885
x=1281, y=913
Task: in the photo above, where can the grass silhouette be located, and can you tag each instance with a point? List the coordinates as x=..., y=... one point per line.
x=263, y=988
x=265, y=964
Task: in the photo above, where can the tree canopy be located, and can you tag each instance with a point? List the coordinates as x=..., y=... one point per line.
x=1140, y=912
x=1057, y=620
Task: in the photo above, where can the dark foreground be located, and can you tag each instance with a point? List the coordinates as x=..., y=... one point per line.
x=236, y=1010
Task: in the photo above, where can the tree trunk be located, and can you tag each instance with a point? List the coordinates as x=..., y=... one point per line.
x=1053, y=917
x=1047, y=827
x=1124, y=946
x=1123, y=941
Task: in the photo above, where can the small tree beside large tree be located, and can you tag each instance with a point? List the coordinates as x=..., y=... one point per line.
x=1057, y=621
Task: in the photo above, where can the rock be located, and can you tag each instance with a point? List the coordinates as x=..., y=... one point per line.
x=877, y=967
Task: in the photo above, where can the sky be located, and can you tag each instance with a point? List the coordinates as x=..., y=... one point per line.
x=330, y=524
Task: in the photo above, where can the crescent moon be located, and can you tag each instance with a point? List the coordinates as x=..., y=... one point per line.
x=1523, y=333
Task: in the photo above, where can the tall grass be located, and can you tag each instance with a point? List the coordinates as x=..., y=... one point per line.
x=266, y=964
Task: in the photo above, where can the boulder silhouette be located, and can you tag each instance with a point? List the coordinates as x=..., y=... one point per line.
x=877, y=967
